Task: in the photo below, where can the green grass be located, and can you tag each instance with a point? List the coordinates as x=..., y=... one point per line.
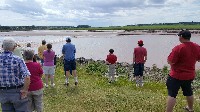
x=95, y=94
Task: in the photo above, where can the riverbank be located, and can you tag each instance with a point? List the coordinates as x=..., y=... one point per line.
x=85, y=33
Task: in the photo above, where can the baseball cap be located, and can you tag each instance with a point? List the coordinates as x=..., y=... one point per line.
x=140, y=42
x=68, y=39
x=185, y=34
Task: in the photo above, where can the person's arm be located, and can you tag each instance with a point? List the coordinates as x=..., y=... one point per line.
x=63, y=51
x=133, y=57
x=145, y=58
x=173, y=57
x=24, y=91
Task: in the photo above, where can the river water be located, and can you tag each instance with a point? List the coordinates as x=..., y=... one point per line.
x=97, y=46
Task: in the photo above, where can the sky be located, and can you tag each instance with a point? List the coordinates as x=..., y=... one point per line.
x=97, y=13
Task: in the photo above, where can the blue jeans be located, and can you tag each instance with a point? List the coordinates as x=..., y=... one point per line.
x=11, y=101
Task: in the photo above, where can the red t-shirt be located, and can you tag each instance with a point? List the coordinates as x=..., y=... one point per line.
x=111, y=58
x=139, y=54
x=184, y=58
x=36, y=74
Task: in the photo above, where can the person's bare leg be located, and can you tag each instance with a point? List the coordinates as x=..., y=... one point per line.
x=46, y=80
x=171, y=101
x=75, y=76
x=190, y=101
x=137, y=80
x=141, y=81
x=67, y=77
x=52, y=80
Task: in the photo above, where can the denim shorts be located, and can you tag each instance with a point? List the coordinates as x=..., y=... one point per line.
x=138, y=69
x=173, y=86
x=69, y=65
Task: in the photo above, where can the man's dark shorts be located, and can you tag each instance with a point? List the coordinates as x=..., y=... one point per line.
x=173, y=86
x=138, y=69
x=69, y=65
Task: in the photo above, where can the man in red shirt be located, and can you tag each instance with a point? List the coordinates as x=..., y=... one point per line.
x=111, y=61
x=139, y=58
x=182, y=60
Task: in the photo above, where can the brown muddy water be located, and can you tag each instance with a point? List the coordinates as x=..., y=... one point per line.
x=97, y=46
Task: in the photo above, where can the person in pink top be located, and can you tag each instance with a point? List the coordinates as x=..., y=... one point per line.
x=182, y=60
x=35, y=91
x=48, y=67
x=139, y=59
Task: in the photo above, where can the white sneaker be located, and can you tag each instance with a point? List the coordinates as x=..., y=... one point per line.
x=137, y=85
x=52, y=85
x=46, y=85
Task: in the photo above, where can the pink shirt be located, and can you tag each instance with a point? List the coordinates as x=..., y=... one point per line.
x=140, y=53
x=36, y=74
x=184, y=57
x=49, y=58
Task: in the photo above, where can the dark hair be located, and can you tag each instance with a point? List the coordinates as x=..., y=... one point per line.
x=43, y=42
x=111, y=51
x=49, y=46
x=140, y=45
x=28, y=45
x=186, y=34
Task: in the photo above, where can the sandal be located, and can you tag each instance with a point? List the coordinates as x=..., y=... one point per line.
x=187, y=109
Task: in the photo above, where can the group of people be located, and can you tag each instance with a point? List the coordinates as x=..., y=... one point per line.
x=21, y=86
x=182, y=60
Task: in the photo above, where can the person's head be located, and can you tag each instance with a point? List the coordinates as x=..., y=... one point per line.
x=68, y=39
x=184, y=35
x=43, y=42
x=8, y=44
x=28, y=54
x=28, y=45
x=111, y=51
x=49, y=46
x=140, y=43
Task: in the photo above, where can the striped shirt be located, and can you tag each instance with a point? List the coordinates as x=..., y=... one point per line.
x=12, y=70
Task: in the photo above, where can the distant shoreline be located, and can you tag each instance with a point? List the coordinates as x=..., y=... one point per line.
x=76, y=33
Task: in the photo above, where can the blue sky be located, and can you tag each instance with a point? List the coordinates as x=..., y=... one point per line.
x=97, y=12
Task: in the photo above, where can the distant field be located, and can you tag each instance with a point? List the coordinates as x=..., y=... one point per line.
x=148, y=27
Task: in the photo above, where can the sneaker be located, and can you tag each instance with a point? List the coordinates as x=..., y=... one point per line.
x=53, y=85
x=137, y=85
x=66, y=84
x=142, y=84
x=76, y=83
x=46, y=85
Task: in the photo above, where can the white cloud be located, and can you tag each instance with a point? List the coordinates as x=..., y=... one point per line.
x=97, y=12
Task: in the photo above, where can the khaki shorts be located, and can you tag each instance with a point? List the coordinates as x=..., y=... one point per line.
x=111, y=69
x=49, y=70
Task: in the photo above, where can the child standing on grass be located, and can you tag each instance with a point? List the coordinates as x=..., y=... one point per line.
x=111, y=61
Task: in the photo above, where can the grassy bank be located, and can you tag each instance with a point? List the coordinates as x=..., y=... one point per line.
x=95, y=94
